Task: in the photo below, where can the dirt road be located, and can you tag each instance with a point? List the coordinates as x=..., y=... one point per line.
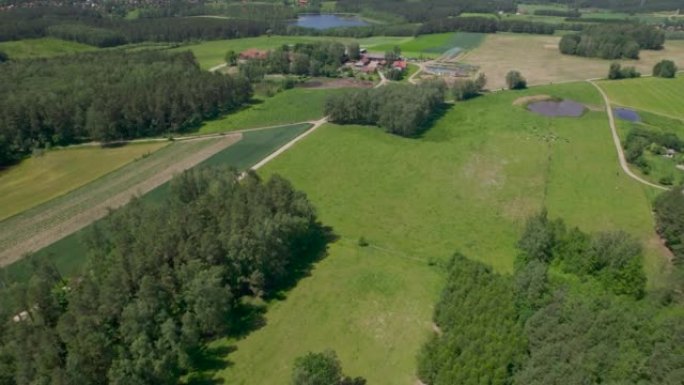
x=616, y=140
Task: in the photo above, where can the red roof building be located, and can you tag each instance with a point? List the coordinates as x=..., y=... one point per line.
x=253, y=53
x=400, y=64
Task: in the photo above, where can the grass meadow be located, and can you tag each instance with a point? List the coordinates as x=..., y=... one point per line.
x=291, y=106
x=432, y=46
x=537, y=57
x=651, y=94
x=43, y=47
x=69, y=254
x=468, y=184
x=41, y=178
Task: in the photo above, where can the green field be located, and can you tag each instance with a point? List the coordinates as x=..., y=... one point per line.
x=468, y=184
x=657, y=95
x=69, y=254
x=432, y=46
x=41, y=178
x=291, y=106
x=43, y=47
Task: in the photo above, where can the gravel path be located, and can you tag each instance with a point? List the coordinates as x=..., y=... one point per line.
x=616, y=140
x=46, y=224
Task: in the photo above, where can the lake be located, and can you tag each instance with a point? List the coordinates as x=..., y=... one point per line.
x=326, y=21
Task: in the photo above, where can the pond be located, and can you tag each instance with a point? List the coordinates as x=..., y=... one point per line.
x=627, y=114
x=557, y=108
x=326, y=21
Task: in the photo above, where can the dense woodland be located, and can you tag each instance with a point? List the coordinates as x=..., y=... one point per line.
x=108, y=96
x=612, y=41
x=574, y=312
x=400, y=109
x=161, y=280
x=486, y=25
x=427, y=10
x=669, y=211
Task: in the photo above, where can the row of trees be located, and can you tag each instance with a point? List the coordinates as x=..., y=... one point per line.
x=589, y=324
x=428, y=10
x=613, y=41
x=90, y=27
x=400, y=109
x=108, y=96
x=485, y=25
x=161, y=279
x=616, y=71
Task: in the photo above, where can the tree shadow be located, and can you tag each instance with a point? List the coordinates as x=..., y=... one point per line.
x=206, y=362
x=432, y=119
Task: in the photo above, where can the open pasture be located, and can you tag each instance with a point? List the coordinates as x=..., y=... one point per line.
x=656, y=95
x=467, y=185
x=43, y=47
x=291, y=106
x=539, y=60
x=41, y=178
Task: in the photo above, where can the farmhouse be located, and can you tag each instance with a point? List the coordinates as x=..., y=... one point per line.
x=400, y=65
x=253, y=53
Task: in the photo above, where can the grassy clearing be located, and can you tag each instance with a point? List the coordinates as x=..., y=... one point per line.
x=542, y=63
x=43, y=47
x=467, y=185
x=41, y=178
x=432, y=46
x=656, y=95
x=291, y=106
x=69, y=254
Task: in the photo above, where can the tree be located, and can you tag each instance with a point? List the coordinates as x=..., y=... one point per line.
x=515, y=80
x=231, y=58
x=317, y=369
x=3, y=57
x=353, y=51
x=665, y=69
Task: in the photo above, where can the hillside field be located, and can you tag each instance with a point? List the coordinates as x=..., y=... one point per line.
x=467, y=185
x=538, y=59
x=656, y=95
x=43, y=47
x=41, y=178
x=291, y=106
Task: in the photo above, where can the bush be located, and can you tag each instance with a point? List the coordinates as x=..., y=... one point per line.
x=515, y=81
x=665, y=69
x=3, y=57
x=468, y=89
x=616, y=71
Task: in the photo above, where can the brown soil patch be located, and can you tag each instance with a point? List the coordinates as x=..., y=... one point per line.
x=531, y=99
x=40, y=228
x=336, y=83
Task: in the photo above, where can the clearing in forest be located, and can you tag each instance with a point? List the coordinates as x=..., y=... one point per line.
x=44, y=224
x=45, y=176
x=466, y=185
x=538, y=59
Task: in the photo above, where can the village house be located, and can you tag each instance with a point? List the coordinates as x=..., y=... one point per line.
x=253, y=53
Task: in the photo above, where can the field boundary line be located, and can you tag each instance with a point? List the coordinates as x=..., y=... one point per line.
x=618, y=143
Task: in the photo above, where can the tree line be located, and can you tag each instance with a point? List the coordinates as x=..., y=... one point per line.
x=400, y=109
x=573, y=312
x=485, y=25
x=161, y=280
x=92, y=28
x=108, y=96
x=669, y=213
x=425, y=11
x=612, y=41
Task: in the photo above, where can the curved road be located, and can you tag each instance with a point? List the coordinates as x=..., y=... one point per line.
x=616, y=140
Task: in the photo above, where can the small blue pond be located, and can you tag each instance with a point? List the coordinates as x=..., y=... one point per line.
x=627, y=114
x=326, y=21
x=557, y=108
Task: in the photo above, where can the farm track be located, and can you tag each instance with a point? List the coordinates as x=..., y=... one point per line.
x=616, y=140
x=49, y=222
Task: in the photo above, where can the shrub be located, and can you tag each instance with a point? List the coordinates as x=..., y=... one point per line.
x=468, y=89
x=616, y=71
x=515, y=80
x=665, y=69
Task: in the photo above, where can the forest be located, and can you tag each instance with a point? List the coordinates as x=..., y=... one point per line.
x=400, y=109
x=486, y=25
x=612, y=41
x=426, y=10
x=161, y=280
x=574, y=312
x=108, y=96
x=669, y=213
